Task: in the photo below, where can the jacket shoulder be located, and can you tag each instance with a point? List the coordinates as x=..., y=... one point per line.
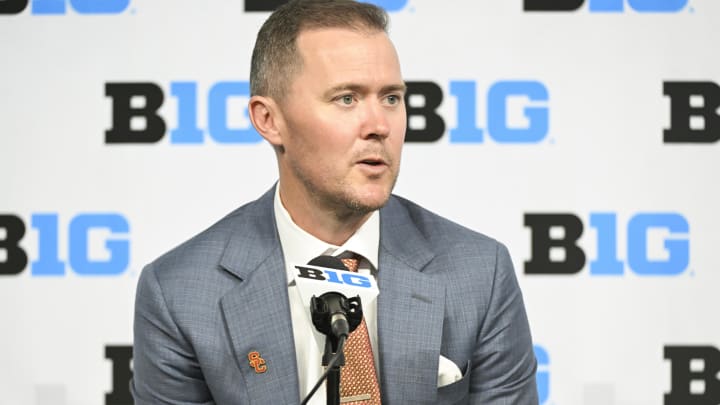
x=205, y=250
x=437, y=229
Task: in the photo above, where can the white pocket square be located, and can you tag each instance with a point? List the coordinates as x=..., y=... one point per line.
x=448, y=372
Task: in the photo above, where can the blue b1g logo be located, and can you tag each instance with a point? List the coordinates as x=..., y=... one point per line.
x=50, y=7
x=332, y=276
x=675, y=244
x=187, y=130
x=423, y=99
x=82, y=229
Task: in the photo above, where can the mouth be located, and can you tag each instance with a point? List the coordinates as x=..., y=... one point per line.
x=373, y=161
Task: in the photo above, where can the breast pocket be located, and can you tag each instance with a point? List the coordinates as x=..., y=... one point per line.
x=456, y=393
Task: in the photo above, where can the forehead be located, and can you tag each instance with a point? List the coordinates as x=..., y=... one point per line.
x=337, y=52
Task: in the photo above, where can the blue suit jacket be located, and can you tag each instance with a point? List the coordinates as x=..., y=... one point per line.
x=204, y=306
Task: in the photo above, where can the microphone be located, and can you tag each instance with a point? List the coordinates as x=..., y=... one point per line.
x=324, y=285
x=332, y=312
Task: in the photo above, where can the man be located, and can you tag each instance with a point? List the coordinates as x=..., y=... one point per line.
x=219, y=319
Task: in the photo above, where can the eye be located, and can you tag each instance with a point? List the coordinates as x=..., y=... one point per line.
x=393, y=99
x=346, y=99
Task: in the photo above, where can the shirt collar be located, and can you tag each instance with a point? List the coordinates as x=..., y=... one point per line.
x=299, y=247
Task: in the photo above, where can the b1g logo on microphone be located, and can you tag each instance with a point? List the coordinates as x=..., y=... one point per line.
x=86, y=232
x=694, y=375
x=60, y=7
x=607, y=6
x=657, y=244
x=516, y=112
x=334, y=276
x=271, y=5
x=694, y=112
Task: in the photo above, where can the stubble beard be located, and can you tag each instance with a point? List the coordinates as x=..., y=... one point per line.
x=344, y=204
x=353, y=206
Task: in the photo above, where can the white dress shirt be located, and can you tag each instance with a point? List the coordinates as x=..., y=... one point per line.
x=299, y=247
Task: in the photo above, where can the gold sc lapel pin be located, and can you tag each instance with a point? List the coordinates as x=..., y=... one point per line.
x=257, y=362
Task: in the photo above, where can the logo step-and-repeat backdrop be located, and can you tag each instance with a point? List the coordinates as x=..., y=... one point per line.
x=582, y=133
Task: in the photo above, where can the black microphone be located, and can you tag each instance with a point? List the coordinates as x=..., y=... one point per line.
x=335, y=316
x=332, y=313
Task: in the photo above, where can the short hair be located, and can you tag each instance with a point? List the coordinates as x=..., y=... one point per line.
x=275, y=58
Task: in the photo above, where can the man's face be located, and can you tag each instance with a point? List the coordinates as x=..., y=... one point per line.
x=343, y=121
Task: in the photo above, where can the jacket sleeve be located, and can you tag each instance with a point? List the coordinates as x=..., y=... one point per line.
x=165, y=367
x=504, y=361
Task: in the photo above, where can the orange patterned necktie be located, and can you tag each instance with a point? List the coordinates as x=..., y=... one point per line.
x=358, y=380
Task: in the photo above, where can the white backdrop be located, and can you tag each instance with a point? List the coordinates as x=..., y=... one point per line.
x=603, y=152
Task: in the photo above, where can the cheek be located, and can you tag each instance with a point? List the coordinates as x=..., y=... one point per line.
x=304, y=135
x=320, y=150
x=399, y=129
x=399, y=122
x=397, y=152
x=322, y=128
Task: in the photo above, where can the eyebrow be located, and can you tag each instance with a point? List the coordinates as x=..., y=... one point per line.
x=391, y=88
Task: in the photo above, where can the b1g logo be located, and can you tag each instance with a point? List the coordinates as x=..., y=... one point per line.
x=604, y=6
x=55, y=7
x=558, y=234
x=332, y=276
x=136, y=113
x=694, y=375
x=271, y=5
x=135, y=116
x=83, y=231
x=694, y=112
x=526, y=99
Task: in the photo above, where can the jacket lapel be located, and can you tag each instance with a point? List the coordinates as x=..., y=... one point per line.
x=411, y=308
x=256, y=312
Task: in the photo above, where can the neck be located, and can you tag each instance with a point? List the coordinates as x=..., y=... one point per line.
x=332, y=225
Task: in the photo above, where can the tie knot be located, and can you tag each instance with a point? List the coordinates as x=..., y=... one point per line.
x=351, y=263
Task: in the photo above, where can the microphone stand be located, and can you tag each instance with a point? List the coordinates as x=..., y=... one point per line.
x=335, y=316
x=332, y=385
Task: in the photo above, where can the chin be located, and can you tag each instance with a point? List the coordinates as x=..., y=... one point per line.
x=369, y=202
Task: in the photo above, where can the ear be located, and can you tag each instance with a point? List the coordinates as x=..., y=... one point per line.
x=265, y=117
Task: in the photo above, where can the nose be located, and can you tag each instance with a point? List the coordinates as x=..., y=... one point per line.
x=377, y=121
